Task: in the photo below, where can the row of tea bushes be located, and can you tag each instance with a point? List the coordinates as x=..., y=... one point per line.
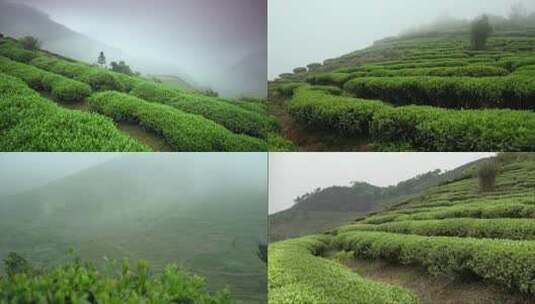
x=514, y=92
x=502, y=228
x=183, y=131
x=61, y=88
x=29, y=122
x=507, y=263
x=297, y=275
x=227, y=114
x=426, y=128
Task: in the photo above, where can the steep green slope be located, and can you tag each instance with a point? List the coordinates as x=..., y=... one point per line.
x=425, y=93
x=179, y=119
x=453, y=230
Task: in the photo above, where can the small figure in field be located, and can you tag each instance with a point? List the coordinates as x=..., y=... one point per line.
x=101, y=59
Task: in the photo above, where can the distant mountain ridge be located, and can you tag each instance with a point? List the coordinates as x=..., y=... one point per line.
x=330, y=207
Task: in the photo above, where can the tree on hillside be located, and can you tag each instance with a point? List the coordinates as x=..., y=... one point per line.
x=487, y=173
x=15, y=264
x=101, y=59
x=121, y=67
x=480, y=32
x=30, y=42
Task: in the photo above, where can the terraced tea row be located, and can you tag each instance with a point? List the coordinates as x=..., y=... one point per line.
x=184, y=132
x=297, y=275
x=29, y=122
x=513, y=229
x=507, y=263
x=421, y=127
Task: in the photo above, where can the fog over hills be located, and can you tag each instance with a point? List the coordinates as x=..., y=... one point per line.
x=192, y=40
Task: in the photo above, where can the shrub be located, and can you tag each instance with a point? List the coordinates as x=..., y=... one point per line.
x=30, y=43
x=184, y=132
x=13, y=51
x=300, y=70
x=424, y=128
x=297, y=275
x=15, y=264
x=101, y=80
x=79, y=282
x=508, y=263
x=487, y=173
x=29, y=122
x=515, y=92
x=225, y=113
x=62, y=88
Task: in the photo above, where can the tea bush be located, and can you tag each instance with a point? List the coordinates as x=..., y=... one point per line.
x=508, y=263
x=183, y=131
x=29, y=122
x=225, y=113
x=297, y=275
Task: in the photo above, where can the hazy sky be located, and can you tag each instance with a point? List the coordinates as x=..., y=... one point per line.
x=200, y=36
x=305, y=31
x=24, y=171
x=294, y=174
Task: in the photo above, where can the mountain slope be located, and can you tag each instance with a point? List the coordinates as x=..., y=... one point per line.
x=327, y=208
x=170, y=208
x=454, y=243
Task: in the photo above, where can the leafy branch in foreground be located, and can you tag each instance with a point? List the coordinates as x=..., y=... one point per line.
x=81, y=282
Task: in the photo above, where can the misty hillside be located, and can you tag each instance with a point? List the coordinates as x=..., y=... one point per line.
x=170, y=208
x=427, y=90
x=327, y=208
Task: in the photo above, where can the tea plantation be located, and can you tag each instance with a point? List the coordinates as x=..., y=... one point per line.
x=454, y=230
x=52, y=103
x=432, y=93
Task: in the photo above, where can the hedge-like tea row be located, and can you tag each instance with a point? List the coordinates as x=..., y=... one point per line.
x=297, y=276
x=339, y=79
x=99, y=79
x=514, y=92
x=508, y=263
x=425, y=128
x=29, y=122
x=513, y=229
x=62, y=88
x=345, y=115
x=482, y=210
x=79, y=282
x=12, y=50
x=183, y=131
x=229, y=115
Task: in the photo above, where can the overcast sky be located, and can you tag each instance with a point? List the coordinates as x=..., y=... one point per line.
x=294, y=174
x=24, y=171
x=305, y=31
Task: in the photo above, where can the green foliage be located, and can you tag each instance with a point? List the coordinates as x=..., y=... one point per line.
x=286, y=89
x=300, y=70
x=425, y=128
x=184, y=132
x=121, y=67
x=62, y=88
x=508, y=263
x=513, y=92
x=297, y=275
x=487, y=173
x=225, y=113
x=15, y=264
x=277, y=143
x=513, y=229
x=15, y=52
x=98, y=79
x=30, y=43
x=480, y=32
x=78, y=282
x=29, y=122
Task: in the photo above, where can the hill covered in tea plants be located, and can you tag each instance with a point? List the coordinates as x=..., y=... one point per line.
x=327, y=208
x=52, y=103
x=425, y=92
x=467, y=240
